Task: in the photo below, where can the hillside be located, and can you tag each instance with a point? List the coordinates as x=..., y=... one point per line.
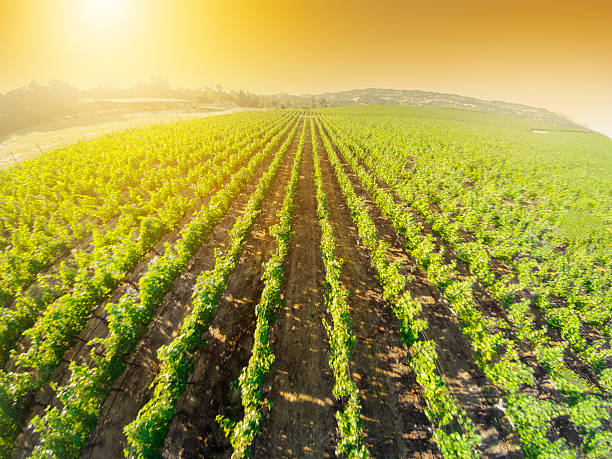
x=378, y=96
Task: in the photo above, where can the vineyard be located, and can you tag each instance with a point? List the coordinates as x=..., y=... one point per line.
x=353, y=282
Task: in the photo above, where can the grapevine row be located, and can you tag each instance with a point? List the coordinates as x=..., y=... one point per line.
x=242, y=433
x=580, y=401
x=28, y=307
x=146, y=434
x=72, y=194
x=341, y=337
x=64, y=432
x=519, y=216
x=61, y=323
x=475, y=256
x=441, y=408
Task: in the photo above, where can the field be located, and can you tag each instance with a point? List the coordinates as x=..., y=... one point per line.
x=357, y=281
x=29, y=142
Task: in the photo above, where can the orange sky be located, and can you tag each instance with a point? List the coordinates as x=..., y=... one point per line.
x=554, y=54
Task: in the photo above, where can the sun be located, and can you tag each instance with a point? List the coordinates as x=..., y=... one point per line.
x=100, y=29
x=103, y=13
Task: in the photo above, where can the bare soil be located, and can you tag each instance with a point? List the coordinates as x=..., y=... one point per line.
x=194, y=431
x=301, y=421
x=392, y=404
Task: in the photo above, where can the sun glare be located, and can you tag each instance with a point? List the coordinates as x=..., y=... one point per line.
x=103, y=13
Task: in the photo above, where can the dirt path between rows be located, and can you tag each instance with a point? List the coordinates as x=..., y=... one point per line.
x=466, y=382
x=194, y=431
x=392, y=405
x=301, y=421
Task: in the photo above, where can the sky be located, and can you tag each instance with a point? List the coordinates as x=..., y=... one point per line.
x=551, y=54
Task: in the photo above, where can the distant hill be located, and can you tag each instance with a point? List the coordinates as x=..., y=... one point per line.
x=41, y=103
x=377, y=96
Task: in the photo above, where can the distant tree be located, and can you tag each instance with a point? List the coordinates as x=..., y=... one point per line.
x=156, y=87
x=37, y=103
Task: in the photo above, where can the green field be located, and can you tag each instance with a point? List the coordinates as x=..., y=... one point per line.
x=355, y=281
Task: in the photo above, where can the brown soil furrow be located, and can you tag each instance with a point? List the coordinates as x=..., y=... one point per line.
x=466, y=382
x=392, y=405
x=300, y=422
x=194, y=430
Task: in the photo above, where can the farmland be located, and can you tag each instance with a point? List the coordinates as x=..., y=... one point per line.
x=356, y=281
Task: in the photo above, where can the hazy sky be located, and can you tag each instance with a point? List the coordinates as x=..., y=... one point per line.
x=553, y=54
